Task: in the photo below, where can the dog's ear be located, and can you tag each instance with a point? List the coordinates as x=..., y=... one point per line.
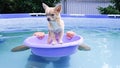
x=58, y=8
x=44, y=5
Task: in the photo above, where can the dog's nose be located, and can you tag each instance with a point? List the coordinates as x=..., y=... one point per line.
x=48, y=19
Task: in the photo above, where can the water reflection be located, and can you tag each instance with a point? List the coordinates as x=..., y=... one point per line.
x=35, y=61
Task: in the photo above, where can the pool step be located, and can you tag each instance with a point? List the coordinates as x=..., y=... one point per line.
x=37, y=14
x=114, y=16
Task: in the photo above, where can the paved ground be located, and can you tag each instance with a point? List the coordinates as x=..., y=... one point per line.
x=79, y=7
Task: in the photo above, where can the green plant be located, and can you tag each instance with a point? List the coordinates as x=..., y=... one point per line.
x=24, y=6
x=111, y=9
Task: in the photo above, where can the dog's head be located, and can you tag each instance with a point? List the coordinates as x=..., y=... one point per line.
x=52, y=13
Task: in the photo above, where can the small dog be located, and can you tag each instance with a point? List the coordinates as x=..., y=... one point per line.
x=55, y=25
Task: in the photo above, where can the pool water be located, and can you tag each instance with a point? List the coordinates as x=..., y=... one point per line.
x=101, y=37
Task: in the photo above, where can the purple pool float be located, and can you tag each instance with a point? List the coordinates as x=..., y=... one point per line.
x=41, y=48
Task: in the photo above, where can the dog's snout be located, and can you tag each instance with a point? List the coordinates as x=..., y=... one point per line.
x=48, y=19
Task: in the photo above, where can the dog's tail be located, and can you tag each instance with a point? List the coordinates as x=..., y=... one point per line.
x=20, y=48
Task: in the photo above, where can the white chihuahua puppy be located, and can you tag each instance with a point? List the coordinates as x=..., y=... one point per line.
x=55, y=25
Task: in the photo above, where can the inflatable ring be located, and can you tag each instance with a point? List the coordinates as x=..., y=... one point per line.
x=41, y=48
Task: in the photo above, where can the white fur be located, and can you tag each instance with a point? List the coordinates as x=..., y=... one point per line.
x=56, y=27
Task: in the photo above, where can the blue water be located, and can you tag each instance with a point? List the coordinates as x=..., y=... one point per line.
x=101, y=34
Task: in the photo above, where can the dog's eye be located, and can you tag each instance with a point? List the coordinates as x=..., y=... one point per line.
x=52, y=14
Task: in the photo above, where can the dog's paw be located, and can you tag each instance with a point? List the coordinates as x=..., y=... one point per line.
x=54, y=43
x=60, y=42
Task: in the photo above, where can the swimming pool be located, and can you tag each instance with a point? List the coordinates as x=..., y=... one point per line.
x=101, y=34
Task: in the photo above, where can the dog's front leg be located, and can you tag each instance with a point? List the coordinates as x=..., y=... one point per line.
x=49, y=38
x=60, y=37
x=54, y=41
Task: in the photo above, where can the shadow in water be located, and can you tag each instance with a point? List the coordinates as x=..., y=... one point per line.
x=35, y=61
x=1, y=40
